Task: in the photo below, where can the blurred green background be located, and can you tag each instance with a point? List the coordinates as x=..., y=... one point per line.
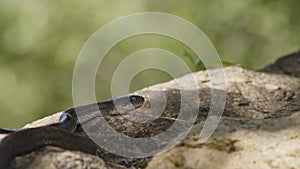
x=40, y=41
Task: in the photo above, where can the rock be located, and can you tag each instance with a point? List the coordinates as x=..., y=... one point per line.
x=287, y=65
x=247, y=144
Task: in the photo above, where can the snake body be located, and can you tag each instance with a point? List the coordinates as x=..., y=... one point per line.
x=60, y=134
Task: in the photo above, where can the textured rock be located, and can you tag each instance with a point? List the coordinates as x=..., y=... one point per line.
x=264, y=143
x=287, y=65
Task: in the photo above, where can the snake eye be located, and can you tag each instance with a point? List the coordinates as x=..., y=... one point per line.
x=136, y=101
x=133, y=99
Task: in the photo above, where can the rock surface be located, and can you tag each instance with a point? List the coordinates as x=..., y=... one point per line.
x=259, y=128
x=267, y=144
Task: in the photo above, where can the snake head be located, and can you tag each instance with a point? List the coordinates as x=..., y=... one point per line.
x=128, y=103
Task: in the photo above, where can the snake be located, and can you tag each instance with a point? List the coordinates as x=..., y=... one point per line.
x=60, y=134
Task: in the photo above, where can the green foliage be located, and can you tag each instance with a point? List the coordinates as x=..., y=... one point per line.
x=198, y=63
